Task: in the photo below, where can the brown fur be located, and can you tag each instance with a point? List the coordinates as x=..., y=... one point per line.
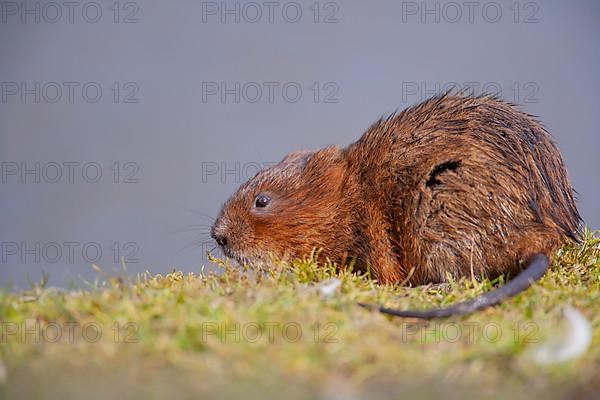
x=455, y=185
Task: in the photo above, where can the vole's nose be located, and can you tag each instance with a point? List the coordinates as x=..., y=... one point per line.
x=221, y=240
x=217, y=233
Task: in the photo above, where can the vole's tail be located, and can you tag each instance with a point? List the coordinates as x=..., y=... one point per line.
x=536, y=268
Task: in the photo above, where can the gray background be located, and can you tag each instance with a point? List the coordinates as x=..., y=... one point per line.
x=369, y=62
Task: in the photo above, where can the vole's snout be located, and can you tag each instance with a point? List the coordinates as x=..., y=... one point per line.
x=221, y=240
x=218, y=234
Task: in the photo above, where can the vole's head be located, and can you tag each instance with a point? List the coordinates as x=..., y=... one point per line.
x=285, y=211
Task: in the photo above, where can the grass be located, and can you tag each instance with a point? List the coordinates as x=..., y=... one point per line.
x=176, y=336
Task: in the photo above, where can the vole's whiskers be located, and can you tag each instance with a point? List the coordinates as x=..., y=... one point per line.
x=207, y=217
x=202, y=241
x=202, y=228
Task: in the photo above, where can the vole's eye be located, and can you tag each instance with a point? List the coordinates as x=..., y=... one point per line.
x=262, y=201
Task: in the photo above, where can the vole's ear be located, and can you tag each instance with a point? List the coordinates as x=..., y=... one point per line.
x=297, y=157
x=327, y=162
x=325, y=158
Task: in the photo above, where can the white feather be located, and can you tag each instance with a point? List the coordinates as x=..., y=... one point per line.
x=575, y=341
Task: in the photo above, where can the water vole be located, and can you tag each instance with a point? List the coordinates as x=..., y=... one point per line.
x=456, y=185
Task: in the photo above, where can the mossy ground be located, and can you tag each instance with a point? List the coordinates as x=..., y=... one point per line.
x=194, y=335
